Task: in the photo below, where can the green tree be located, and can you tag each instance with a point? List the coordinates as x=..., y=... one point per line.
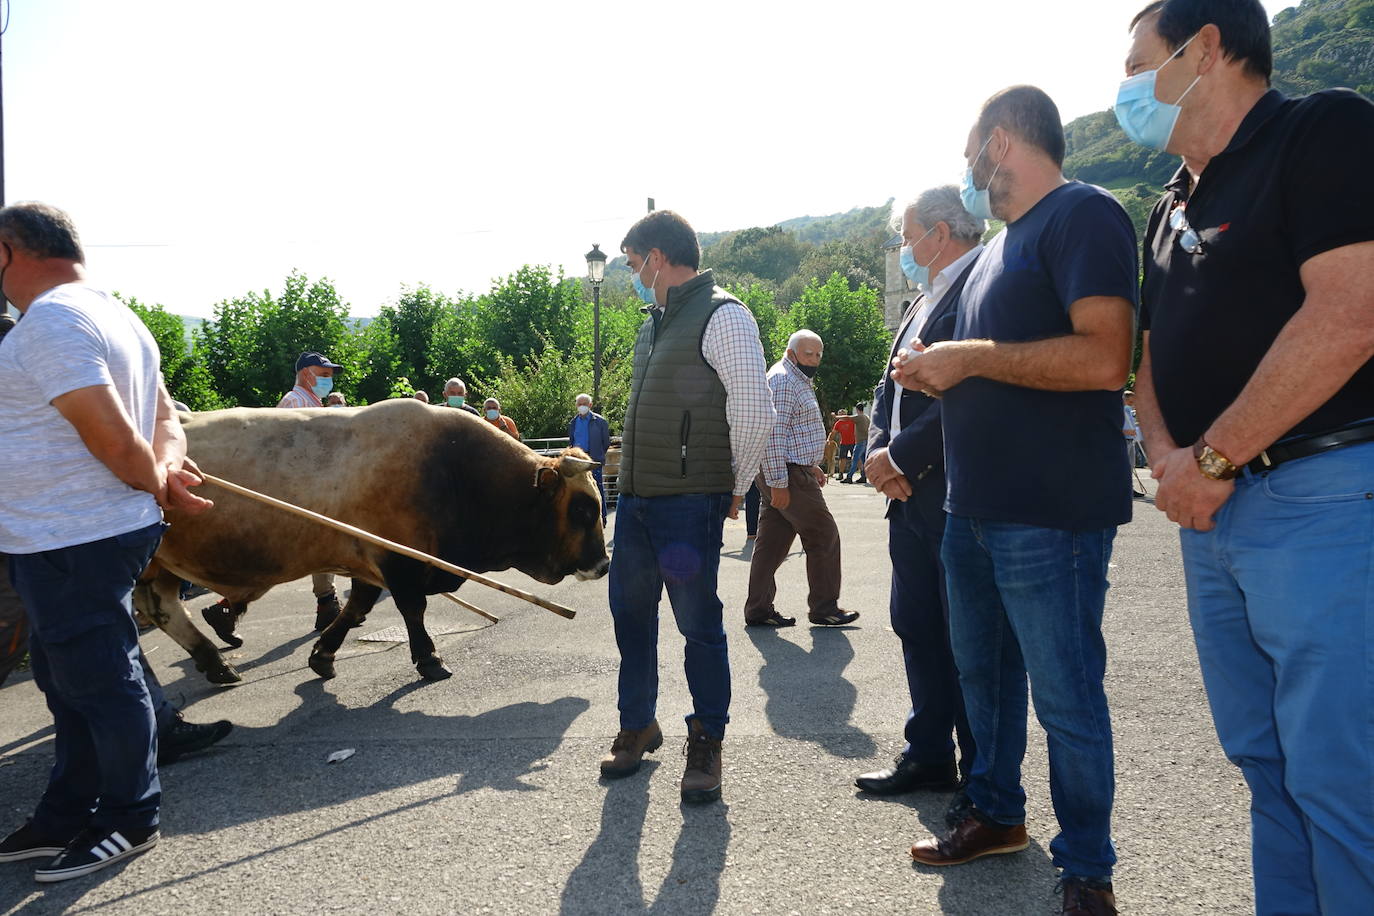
x=186, y=379
x=850, y=322
x=760, y=301
x=770, y=253
x=251, y=344
x=523, y=312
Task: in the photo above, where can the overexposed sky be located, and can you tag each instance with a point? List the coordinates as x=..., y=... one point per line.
x=205, y=149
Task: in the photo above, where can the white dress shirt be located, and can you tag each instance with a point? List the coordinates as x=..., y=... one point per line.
x=939, y=286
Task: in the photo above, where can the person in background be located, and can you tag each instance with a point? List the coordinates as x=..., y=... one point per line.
x=314, y=383
x=420, y=395
x=751, y=512
x=456, y=395
x=590, y=432
x=492, y=409
x=335, y=399
x=847, y=435
x=856, y=463
x=793, y=501
x=1130, y=428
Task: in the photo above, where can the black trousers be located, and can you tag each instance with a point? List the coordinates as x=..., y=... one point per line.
x=920, y=618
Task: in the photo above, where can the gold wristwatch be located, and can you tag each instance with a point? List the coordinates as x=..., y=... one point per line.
x=1212, y=463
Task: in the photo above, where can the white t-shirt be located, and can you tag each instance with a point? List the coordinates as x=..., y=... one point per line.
x=54, y=492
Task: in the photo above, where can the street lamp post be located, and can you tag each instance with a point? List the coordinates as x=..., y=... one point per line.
x=596, y=272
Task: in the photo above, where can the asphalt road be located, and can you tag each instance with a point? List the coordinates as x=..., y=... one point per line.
x=480, y=794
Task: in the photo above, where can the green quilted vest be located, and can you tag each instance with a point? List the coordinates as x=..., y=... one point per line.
x=676, y=437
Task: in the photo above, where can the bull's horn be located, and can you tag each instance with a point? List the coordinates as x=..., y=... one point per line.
x=569, y=466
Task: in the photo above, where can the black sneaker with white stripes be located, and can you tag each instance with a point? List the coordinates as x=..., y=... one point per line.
x=93, y=849
x=28, y=842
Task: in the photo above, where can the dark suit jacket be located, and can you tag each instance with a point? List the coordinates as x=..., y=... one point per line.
x=919, y=449
x=599, y=435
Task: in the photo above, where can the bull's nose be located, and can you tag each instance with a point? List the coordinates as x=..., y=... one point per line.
x=597, y=571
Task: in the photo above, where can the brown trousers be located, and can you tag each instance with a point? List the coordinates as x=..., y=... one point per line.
x=806, y=515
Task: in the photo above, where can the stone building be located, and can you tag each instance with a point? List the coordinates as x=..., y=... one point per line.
x=897, y=293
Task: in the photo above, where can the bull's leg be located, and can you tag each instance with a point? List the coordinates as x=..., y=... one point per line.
x=160, y=601
x=427, y=662
x=360, y=600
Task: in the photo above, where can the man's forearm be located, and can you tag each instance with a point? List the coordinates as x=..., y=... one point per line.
x=1314, y=355
x=1073, y=362
x=1147, y=413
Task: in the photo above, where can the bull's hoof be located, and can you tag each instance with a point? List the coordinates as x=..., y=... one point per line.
x=323, y=665
x=433, y=669
x=221, y=673
x=223, y=621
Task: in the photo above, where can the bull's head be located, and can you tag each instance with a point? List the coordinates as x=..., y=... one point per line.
x=576, y=543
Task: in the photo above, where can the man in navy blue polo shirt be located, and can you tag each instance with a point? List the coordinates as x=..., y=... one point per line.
x=1256, y=399
x=589, y=431
x=1038, y=483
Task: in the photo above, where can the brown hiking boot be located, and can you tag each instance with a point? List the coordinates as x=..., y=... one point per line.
x=629, y=748
x=701, y=779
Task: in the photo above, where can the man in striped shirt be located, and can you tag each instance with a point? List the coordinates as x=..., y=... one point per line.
x=793, y=505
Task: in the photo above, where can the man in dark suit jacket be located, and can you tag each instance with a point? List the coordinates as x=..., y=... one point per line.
x=590, y=432
x=906, y=461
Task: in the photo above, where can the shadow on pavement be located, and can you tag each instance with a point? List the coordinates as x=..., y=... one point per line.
x=808, y=695
x=607, y=878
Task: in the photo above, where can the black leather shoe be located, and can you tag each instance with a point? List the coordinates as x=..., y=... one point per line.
x=906, y=775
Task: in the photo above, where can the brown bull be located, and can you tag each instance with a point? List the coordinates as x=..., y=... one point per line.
x=441, y=481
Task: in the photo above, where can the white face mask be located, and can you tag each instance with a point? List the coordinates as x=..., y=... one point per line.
x=583, y=409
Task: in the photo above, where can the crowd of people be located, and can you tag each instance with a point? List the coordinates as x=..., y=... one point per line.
x=1253, y=397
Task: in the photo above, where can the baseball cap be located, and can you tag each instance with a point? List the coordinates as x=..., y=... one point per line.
x=312, y=358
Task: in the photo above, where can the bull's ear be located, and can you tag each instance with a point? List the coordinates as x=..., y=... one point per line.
x=546, y=478
x=569, y=466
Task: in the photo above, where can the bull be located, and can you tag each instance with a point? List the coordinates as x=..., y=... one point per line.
x=441, y=481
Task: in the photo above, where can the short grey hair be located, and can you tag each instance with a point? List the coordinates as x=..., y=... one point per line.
x=455, y=382
x=799, y=336
x=940, y=205
x=581, y=396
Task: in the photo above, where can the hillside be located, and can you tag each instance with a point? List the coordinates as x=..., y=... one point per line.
x=1320, y=44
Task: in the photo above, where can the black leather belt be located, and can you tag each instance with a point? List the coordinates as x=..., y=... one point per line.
x=1276, y=455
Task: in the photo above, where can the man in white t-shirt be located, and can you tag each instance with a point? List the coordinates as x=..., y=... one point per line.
x=94, y=451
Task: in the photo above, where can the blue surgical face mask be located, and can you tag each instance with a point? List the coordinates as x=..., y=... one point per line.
x=978, y=202
x=493, y=414
x=918, y=274
x=1144, y=118
x=645, y=293
x=323, y=385
x=456, y=400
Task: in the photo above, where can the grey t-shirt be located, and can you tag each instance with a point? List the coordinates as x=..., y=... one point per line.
x=56, y=493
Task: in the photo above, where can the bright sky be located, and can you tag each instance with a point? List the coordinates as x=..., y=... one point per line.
x=206, y=149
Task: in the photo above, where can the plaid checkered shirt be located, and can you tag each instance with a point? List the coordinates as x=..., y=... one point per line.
x=799, y=434
x=730, y=345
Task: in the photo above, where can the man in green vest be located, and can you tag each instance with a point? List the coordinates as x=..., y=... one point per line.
x=698, y=420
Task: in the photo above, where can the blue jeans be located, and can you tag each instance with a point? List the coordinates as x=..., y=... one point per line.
x=671, y=541
x=83, y=647
x=856, y=464
x=1281, y=597
x=751, y=509
x=1028, y=601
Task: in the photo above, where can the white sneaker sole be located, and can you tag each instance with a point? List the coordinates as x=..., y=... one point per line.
x=50, y=875
x=36, y=852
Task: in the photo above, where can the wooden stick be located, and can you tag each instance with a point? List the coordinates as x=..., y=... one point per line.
x=471, y=607
x=402, y=549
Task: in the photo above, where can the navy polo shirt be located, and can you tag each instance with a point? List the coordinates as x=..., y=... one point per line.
x=1052, y=459
x=1293, y=182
